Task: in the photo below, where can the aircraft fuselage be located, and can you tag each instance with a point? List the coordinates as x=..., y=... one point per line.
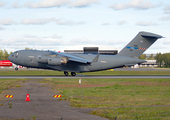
x=30, y=58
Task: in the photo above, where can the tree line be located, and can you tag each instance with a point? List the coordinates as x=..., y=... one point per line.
x=4, y=54
x=163, y=60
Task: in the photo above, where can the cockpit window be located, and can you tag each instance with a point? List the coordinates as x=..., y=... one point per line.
x=16, y=53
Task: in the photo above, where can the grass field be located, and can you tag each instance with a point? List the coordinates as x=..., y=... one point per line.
x=124, y=98
x=7, y=83
x=54, y=73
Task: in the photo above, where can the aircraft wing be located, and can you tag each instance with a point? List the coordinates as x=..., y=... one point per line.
x=74, y=58
x=81, y=60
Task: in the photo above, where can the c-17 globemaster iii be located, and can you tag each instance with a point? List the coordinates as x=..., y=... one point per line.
x=78, y=63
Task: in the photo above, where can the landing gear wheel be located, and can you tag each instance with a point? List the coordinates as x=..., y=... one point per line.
x=65, y=73
x=16, y=68
x=73, y=73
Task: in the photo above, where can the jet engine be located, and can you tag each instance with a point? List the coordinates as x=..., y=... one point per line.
x=42, y=59
x=56, y=61
x=51, y=60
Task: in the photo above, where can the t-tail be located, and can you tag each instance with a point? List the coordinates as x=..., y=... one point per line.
x=139, y=44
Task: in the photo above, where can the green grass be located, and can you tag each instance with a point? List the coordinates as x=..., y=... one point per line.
x=130, y=113
x=124, y=98
x=128, y=73
x=8, y=83
x=30, y=72
x=54, y=73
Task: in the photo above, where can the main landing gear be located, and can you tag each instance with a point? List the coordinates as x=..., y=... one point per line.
x=72, y=73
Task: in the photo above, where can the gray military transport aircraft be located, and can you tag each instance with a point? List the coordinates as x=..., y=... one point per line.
x=77, y=63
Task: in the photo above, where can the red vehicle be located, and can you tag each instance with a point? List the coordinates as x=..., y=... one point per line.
x=5, y=63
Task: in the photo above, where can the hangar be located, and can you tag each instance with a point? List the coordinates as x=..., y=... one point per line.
x=93, y=50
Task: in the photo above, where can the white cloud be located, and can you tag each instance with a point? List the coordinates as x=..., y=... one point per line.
x=80, y=41
x=166, y=18
x=136, y=4
x=7, y=21
x=86, y=41
x=2, y=3
x=121, y=22
x=30, y=40
x=80, y=23
x=29, y=36
x=55, y=36
x=166, y=41
x=167, y=9
x=142, y=23
x=69, y=22
x=83, y=3
x=43, y=21
x=47, y=3
x=105, y=24
x=2, y=28
x=16, y=4
x=38, y=21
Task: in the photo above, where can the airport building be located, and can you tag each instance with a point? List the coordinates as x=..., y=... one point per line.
x=93, y=50
x=149, y=63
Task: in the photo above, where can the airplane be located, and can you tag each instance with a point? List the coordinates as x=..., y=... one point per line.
x=5, y=63
x=78, y=63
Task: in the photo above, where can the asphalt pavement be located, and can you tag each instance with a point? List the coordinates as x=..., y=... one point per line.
x=43, y=106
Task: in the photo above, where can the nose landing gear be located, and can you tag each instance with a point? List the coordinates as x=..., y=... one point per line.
x=16, y=68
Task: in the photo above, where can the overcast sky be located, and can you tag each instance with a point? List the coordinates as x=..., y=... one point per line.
x=74, y=24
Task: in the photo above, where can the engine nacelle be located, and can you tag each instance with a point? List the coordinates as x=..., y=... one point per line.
x=42, y=59
x=55, y=61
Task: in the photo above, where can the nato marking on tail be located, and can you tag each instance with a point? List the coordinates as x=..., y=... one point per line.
x=139, y=44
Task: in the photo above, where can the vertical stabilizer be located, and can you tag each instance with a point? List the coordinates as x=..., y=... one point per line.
x=139, y=44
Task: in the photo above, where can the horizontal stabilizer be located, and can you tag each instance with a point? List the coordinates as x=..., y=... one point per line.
x=152, y=36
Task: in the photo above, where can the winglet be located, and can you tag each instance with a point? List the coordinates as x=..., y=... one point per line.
x=96, y=58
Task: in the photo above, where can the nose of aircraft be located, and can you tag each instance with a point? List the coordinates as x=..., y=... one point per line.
x=10, y=58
